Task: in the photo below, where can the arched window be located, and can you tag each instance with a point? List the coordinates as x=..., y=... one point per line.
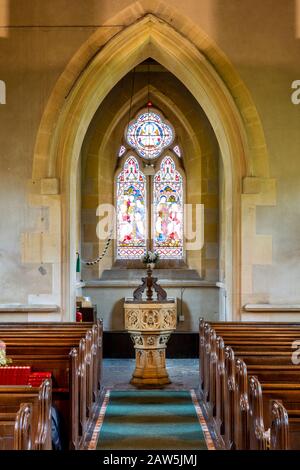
x=131, y=211
x=168, y=211
x=161, y=187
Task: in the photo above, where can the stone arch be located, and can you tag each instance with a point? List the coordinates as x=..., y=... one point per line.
x=183, y=49
x=194, y=145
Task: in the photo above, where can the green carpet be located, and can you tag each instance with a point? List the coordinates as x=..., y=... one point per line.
x=151, y=419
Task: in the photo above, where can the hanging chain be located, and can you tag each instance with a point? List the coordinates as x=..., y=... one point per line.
x=100, y=257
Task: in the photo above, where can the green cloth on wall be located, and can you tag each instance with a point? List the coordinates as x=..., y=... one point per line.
x=78, y=263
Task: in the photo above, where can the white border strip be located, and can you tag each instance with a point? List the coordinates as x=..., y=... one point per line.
x=207, y=435
x=94, y=440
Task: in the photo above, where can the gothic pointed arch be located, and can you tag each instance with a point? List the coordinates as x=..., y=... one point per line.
x=182, y=48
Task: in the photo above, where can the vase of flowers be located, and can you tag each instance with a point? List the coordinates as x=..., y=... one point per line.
x=150, y=259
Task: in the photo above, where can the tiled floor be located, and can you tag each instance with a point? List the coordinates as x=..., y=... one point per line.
x=184, y=374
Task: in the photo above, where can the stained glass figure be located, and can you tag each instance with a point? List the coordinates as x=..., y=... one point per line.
x=122, y=150
x=149, y=134
x=168, y=211
x=177, y=150
x=131, y=211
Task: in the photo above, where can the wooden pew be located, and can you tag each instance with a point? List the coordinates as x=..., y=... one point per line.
x=76, y=375
x=11, y=397
x=61, y=367
x=294, y=429
x=56, y=334
x=281, y=429
x=16, y=334
x=251, y=413
x=284, y=433
x=222, y=375
x=15, y=429
x=272, y=423
x=266, y=337
x=45, y=325
x=235, y=393
x=251, y=351
x=252, y=324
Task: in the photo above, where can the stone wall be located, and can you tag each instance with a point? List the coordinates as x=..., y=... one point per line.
x=193, y=302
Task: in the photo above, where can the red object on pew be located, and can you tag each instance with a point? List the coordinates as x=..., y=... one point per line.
x=22, y=375
x=36, y=378
x=14, y=375
x=78, y=316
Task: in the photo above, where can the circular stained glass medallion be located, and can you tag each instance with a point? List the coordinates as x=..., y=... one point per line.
x=149, y=134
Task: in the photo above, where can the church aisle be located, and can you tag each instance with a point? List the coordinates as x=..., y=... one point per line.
x=149, y=420
x=169, y=418
x=184, y=374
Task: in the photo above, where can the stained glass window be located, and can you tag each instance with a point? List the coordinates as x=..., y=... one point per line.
x=168, y=210
x=149, y=134
x=131, y=211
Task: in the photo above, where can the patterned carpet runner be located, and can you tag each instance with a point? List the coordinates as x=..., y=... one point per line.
x=149, y=420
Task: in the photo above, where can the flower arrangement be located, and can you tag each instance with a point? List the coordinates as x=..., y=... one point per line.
x=4, y=361
x=150, y=257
